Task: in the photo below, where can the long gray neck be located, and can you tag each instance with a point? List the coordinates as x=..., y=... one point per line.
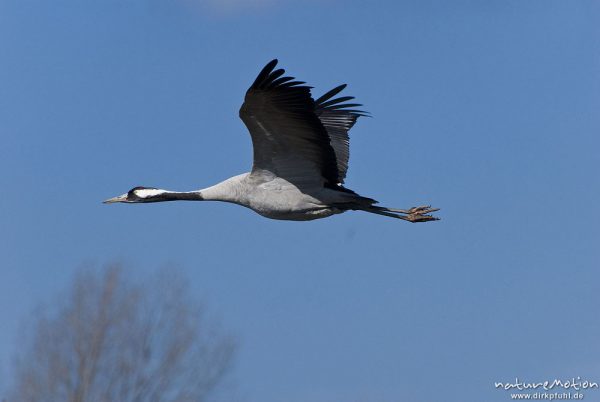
x=230, y=190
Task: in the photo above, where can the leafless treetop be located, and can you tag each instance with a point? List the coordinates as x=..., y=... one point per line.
x=111, y=340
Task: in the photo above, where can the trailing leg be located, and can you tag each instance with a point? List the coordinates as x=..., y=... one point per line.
x=416, y=214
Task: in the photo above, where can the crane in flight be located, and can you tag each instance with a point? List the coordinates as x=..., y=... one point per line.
x=301, y=151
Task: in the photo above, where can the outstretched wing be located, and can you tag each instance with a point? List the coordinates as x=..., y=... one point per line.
x=338, y=120
x=291, y=134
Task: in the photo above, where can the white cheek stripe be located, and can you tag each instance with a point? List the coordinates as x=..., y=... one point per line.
x=145, y=193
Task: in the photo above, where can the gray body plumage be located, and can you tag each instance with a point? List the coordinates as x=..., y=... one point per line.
x=276, y=198
x=301, y=152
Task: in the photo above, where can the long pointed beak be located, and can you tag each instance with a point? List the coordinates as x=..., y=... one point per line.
x=120, y=198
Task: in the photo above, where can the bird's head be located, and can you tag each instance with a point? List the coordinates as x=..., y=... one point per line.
x=138, y=194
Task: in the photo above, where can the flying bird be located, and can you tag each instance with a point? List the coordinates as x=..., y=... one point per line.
x=301, y=151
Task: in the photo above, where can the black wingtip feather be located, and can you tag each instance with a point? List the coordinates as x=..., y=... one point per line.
x=326, y=102
x=264, y=73
x=331, y=93
x=345, y=105
x=291, y=84
x=280, y=81
x=335, y=101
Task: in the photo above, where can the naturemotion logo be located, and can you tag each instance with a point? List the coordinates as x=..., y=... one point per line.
x=569, y=388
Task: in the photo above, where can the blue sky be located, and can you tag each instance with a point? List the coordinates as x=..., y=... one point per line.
x=488, y=110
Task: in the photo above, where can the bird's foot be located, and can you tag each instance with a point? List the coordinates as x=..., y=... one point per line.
x=421, y=214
